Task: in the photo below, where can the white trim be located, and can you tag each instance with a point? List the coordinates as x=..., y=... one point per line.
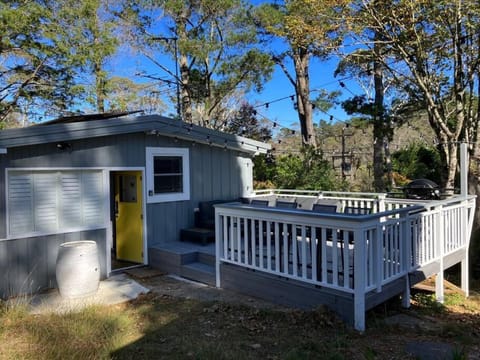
x=107, y=222
x=151, y=152
x=3, y=150
x=109, y=170
x=40, y=234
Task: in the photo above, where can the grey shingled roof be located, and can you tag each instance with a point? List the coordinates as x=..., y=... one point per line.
x=150, y=124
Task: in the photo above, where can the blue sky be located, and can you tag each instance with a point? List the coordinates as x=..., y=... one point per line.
x=280, y=111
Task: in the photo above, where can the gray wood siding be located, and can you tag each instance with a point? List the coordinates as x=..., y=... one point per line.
x=215, y=173
x=3, y=214
x=27, y=265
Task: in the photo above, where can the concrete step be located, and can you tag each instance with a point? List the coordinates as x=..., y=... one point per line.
x=200, y=272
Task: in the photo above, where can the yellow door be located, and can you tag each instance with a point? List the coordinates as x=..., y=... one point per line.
x=128, y=216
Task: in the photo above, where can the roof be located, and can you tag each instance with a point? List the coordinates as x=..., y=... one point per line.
x=85, y=117
x=70, y=129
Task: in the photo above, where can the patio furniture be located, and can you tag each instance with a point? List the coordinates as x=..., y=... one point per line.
x=324, y=208
x=204, y=229
x=260, y=203
x=197, y=234
x=286, y=204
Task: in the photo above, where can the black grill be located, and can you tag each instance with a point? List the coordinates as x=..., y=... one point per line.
x=422, y=189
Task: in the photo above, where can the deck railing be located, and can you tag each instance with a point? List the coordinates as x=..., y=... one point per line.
x=353, y=254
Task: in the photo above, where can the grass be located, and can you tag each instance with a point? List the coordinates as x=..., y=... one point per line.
x=165, y=327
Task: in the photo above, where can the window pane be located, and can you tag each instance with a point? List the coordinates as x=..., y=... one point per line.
x=167, y=165
x=168, y=184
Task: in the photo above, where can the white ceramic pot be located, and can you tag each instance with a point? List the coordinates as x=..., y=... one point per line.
x=78, y=269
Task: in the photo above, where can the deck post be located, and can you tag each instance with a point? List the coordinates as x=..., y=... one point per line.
x=439, y=227
x=406, y=249
x=359, y=284
x=381, y=202
x=464, y=283
x=218, y=234
x=464, y=270
x=463, y=169
x=378, y=253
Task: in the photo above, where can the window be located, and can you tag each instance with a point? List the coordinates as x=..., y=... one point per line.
x=168, y=175
x=54, y=201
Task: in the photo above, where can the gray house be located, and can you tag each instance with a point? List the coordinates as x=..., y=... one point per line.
x=129, y=183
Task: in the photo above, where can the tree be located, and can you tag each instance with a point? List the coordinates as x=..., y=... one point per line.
x=213, y=42
x=94, y=41
x=365, y=64
x=245, y=123
x=50, y=52
x=435, y=47
x=417, y=161
x=308, y=28
x=308, y=171
x=37, y=61
x=126, y=95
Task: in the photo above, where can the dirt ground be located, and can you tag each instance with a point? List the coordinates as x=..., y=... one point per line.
x=174, y=286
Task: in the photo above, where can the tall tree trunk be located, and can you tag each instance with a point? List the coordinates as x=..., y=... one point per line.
x=99, y=87
x=378, y=120
x=304, y=106
x=182, y=36
x=185, y=95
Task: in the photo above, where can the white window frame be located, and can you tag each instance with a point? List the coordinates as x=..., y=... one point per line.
x=152, y=152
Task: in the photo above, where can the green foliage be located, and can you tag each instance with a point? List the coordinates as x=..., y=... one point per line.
x=245, y=123
x=48, y=50
x=307, y=170
x=417, y=161
x=36, y=64
x=216, y=50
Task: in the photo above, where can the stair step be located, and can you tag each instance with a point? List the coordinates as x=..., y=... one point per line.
x=199, y=272
x=206, y=259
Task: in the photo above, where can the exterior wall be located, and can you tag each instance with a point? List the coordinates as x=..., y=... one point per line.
x=28, y=265
x=215, y=173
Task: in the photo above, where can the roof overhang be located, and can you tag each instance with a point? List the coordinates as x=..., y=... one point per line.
x=151, y=125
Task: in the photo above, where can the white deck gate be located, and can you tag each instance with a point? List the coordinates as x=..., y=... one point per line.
x=354, y=254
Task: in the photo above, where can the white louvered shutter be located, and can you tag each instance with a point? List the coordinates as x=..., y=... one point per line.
x=45, y=203
x=52, y=201
x=20, y=203
x=92, y=198
x=71, y=199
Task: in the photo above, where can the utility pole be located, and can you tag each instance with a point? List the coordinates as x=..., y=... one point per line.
x=344, y=176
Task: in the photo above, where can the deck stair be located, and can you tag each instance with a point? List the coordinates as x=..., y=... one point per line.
x=201, y=270
x=189, y=260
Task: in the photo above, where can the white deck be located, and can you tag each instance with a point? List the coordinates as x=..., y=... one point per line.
x=353, y=254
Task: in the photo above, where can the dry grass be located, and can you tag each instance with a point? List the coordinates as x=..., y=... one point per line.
x=157, y=327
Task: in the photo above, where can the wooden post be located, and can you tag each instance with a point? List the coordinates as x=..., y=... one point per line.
x=359, y=281
x=378, y=260
x=218, y=236
x=406, y=249
x=381, y=202
x=463, y=169
x=464, y=164
x=439, y=227
x=464, y=283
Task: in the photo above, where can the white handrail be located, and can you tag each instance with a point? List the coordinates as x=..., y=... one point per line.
x=354, y=254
